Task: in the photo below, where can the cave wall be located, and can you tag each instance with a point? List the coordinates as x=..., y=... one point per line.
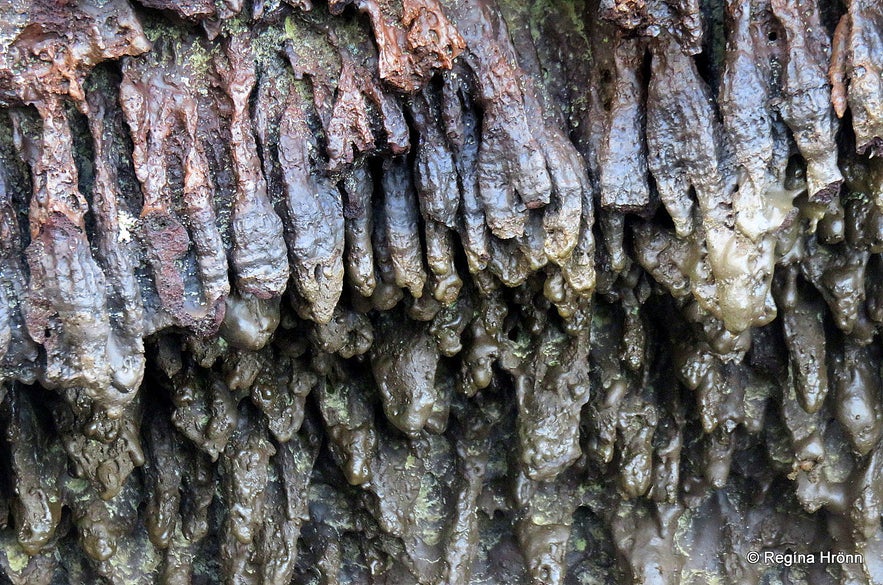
x=440, y=292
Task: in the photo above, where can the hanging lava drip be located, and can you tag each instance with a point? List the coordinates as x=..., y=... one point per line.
x=429, y=291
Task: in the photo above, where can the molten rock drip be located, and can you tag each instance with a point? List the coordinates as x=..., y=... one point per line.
x=440, y=291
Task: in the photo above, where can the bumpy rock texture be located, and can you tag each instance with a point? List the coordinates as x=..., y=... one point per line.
x=440, y=291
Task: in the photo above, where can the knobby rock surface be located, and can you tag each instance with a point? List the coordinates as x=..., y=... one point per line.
x=440, y=291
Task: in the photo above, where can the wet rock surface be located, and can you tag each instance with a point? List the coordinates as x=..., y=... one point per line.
x=440, y=291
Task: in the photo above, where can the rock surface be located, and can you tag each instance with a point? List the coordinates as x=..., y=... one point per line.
x=440, y=291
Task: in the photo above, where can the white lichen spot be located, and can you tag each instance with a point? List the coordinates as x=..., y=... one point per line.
x=127, y=223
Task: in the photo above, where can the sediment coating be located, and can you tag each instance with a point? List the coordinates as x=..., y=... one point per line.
x=435, y=291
